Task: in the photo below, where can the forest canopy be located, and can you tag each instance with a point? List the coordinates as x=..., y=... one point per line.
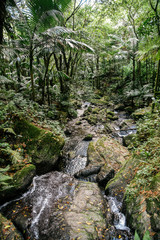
x=54, y=44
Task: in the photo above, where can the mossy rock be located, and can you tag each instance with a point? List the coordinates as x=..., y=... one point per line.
x=107, y=150
x=137, y=216
x=92, y=119
x=116, y=187
x=109, y=155
x=144, y=214
x=8, y=230
x=88, y=137
x=18, y=183
x=111, y=115
x=129, y=139
x=140, y=113
x=95, y=110
x=42, y=145
x=23, y=177
x=119, y=107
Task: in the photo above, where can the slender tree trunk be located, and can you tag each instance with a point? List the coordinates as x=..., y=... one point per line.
x=139, y=73
x=59, y=68
x=134, y=72
x=46, y=79
x=31, y=72
x=2, y=18
x=18, y=71
x=48, y=95
x=74, y=15
x=157, y=85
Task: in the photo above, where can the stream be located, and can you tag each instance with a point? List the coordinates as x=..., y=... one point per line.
x=43, y=212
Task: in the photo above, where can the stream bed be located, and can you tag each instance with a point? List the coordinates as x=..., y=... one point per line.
x=58, y=206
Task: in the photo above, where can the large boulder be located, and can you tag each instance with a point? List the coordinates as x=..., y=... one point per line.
x=105, y=157
x=116, y=186
x=85, y=216
x=59, y=207
x=42, y=145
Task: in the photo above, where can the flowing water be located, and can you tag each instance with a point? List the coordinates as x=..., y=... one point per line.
x=45, y=198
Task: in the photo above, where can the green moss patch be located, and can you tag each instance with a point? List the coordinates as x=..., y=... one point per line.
x=42, y=145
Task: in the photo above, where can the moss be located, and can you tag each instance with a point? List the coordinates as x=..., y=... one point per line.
x=129, y=139
x=95, y=110
x=88, y=137
x=42, y=145
x=23, y=177
x=26, y=129
x=92, y=119
x=140, y=113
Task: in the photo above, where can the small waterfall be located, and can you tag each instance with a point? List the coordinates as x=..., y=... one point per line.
x=79, y=161
x=119, y=218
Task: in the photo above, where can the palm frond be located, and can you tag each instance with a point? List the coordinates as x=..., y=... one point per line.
x=78, y=45
x=48, y=12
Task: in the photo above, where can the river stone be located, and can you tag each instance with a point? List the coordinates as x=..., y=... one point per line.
x=129, y=139
x=8, y=230
x=107, y=154
x=116, y=186
x=127, y=124
x=41, y=144
x=85, y=216
x=59, y=207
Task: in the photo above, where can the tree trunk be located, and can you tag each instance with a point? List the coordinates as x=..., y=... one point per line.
x=2, y=18
x=31, y=72
x=134, y=72
x=156, y=86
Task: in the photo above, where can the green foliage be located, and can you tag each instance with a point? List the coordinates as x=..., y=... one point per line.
x=146, y=151
x=145, y=237
x=136, y=236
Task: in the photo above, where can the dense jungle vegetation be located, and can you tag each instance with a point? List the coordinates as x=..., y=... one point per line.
x=57, y=54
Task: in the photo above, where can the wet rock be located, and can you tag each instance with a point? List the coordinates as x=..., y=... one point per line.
x=127, y=124
x=129, y=139
x=59, y=207
x=116, y=186
x=88, y=171
x=85, y=217
x=42, y=145
x=104, y=175
x=8, y=230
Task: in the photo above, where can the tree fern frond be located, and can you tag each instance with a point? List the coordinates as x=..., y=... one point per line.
x=78, y=45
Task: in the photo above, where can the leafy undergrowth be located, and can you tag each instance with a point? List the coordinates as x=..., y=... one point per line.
x=143, y=193
x=13, y=148
x=147, y=152
x=13, y=103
